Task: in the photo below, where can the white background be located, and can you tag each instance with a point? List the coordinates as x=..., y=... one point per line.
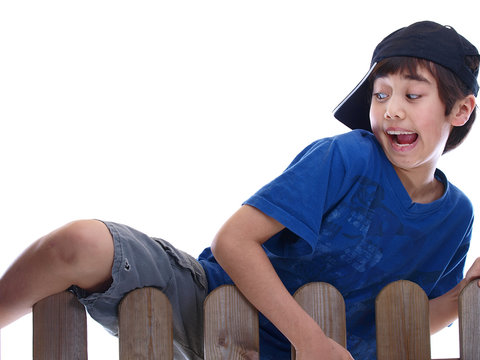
x=167, y=115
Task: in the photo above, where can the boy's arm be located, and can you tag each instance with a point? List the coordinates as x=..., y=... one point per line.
x=444, y=309
x=238, y=249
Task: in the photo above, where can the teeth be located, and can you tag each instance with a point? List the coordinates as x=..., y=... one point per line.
x=398, y=132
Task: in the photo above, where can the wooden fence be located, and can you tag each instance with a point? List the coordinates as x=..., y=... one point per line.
x=231, y=323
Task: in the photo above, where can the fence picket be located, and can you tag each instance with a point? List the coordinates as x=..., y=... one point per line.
x=231, y=323
x=402, y=322
x=145, y=325
x=59, y=328
x=326, y=306
x=231, y=326
x=469, y=322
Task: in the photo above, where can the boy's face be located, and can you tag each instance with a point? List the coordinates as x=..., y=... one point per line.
x=409, y=121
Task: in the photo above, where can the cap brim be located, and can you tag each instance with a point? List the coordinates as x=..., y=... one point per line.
x=354, y=110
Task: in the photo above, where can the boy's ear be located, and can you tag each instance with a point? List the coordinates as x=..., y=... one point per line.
x=462, y=110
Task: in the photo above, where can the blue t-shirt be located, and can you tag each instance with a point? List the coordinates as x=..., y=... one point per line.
x=350, y=222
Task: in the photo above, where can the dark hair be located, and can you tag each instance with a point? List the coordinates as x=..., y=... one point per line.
x=450, y=87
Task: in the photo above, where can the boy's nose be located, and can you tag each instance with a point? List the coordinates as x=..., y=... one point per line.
x=394, y=109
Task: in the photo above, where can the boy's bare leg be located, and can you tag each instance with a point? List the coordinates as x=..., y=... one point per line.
x=79, y=253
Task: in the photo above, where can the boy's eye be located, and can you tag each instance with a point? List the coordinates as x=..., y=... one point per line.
x=413, y=96
x=380, y=95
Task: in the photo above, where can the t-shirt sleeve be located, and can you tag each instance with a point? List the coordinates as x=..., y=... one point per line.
x=300, y=196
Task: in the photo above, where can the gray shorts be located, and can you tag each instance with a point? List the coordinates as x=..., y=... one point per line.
x=141, y=261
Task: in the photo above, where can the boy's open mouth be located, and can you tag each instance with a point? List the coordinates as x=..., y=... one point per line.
x=402, y=138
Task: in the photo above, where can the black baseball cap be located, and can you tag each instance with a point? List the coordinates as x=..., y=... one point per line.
x=426, y=40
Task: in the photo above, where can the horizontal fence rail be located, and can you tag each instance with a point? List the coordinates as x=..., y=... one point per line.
x=231, y=323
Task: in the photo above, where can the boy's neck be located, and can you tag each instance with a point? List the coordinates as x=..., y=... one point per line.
x=423, y=189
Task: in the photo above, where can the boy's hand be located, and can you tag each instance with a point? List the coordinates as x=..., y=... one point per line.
x=444, y=309
x=473, y=273
x=238, y=249
x=325, y=350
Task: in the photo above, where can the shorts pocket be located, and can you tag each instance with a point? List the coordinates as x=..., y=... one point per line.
x=183, y=260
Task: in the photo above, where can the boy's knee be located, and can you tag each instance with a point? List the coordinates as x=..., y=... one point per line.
x=77, y=242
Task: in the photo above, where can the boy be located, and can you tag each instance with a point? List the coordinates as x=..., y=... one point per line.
x=348, y=211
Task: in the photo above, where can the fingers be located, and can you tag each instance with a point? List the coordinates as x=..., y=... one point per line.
x=474, y=271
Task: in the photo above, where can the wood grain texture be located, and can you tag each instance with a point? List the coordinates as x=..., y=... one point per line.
x=402, y=319
x=231, y=323
x=59, y=328
x=231, y=326
x=145, y=325
x=326, y=306
x=469, y=322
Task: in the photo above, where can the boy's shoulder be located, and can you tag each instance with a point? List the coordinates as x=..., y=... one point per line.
x=356, y=147
x=456, y=194
x=353, y=140
x=355, y=152
x=356, y=138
